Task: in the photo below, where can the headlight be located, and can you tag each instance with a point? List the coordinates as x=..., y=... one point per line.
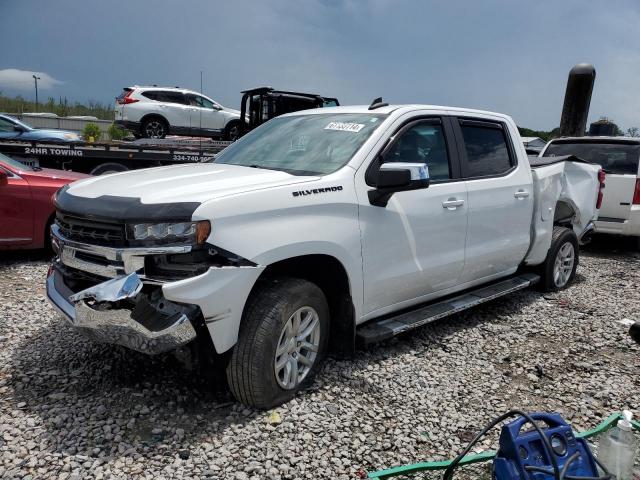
x=181, y=232
x=71, y=136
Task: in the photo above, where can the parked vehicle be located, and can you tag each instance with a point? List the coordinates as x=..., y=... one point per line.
x=26, y=203
x=314, y=231
x=619, y=158
x=13, y=129
x=264, y=103
x=154, y=112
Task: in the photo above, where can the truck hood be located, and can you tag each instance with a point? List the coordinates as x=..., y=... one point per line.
x=183, y=183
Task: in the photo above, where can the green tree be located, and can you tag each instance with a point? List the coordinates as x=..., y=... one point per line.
x=633, y=132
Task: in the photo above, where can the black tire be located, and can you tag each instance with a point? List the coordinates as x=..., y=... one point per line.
x=560, y=238
x=251, y=369
x=154, y=127
x=232, y=131
x=106, y=168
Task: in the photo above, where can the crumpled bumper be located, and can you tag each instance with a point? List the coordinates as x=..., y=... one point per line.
x=116, y=312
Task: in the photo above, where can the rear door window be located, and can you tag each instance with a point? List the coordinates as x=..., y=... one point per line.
x=486, y=148
x=151, y=95
x=614, y=157
x=165, y=96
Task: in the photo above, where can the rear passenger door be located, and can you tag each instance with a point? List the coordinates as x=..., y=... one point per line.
x=173, y=107
x=500, y=199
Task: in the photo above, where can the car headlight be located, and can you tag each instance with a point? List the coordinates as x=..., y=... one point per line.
x=71, y=136
x=179, y=232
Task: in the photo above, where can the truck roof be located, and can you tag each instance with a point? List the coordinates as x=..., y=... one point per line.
x=595, y=139
x=394, y=108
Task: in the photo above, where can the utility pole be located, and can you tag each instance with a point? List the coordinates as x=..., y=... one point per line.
x=35, y=79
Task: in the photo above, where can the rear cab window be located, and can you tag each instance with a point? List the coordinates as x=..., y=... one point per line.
x=487, y=149
x=615, y=157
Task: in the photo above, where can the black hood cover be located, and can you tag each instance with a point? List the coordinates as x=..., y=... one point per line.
x=114, y=208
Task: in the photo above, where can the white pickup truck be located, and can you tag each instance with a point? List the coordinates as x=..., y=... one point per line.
x=314, y=232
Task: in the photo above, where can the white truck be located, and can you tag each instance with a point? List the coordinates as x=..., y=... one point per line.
x=316, y=231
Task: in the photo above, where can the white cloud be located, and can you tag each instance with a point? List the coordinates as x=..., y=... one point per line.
x=15, y=79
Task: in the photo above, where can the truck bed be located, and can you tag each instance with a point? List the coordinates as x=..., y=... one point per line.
x=565, y=190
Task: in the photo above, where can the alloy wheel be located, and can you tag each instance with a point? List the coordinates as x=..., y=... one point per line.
x=154, y=129
x=563, y=265
x=297, y=348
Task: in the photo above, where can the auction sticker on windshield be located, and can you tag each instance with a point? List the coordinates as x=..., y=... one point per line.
x=345, y=127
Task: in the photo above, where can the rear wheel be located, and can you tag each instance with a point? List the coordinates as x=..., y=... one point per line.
x=559, y=268
x=154, y=128
x=283, y=338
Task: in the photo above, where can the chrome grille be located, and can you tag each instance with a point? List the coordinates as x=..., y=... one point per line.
x=90, y=231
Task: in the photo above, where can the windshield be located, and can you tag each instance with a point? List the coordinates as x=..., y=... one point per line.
x=614, y=157
x=10, y=162
x=303, y=144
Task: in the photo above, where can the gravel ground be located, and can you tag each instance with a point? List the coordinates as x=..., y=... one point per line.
x=73, y=409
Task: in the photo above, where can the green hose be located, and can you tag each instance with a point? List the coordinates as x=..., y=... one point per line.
x=484, y=456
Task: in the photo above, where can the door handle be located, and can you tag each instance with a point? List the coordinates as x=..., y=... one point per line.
x=452, y=203
x=521, y=194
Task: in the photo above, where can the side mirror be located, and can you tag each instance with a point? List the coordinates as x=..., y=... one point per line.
x=216, y=107
x=4, y=178
x=18, y=128
x=398, y=177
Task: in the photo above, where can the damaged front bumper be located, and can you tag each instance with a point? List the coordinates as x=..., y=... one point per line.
x=118, y=312
x=151, y=299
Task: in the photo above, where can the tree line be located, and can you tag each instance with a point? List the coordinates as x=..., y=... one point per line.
x=548, y=135
x=62, y=107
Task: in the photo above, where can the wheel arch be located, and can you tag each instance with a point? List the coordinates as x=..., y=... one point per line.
x=564, y=214
x=149, y=116
x=330, y=275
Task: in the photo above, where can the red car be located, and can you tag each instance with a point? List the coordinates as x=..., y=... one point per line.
x=26, y=203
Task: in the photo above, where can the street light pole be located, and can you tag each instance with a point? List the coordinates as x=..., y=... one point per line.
x=35, y=79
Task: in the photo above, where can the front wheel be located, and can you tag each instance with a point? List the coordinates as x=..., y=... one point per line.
x=282, y=340
x=559, y=268
x=232, y=131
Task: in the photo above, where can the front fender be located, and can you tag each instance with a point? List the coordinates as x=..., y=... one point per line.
x=221, y=294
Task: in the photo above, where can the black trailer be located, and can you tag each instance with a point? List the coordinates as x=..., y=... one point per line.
x=264, y=103
x=101, y=158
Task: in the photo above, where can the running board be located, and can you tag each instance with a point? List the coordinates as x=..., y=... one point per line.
x=387, y=327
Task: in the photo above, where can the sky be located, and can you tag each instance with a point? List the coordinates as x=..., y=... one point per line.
x=509, y=56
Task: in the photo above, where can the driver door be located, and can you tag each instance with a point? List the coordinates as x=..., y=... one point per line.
x=415, y=246
x=205, y=115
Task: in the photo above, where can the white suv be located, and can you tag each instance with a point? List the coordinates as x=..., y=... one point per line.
x=154, y=112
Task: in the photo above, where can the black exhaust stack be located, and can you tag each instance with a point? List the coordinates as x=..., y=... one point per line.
x=577, y=99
